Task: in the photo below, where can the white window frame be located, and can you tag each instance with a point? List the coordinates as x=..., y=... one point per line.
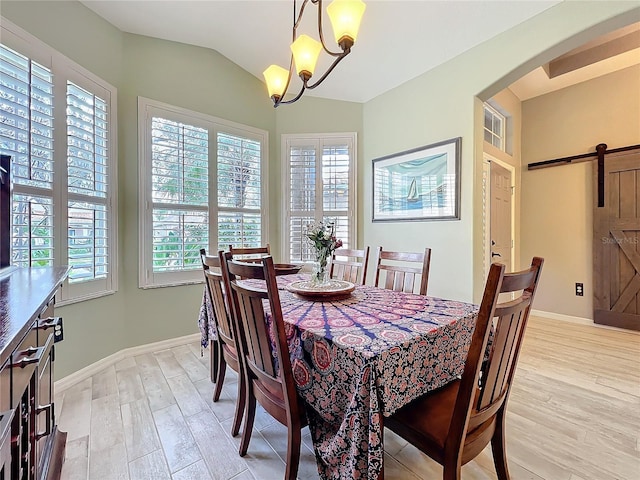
x=64, y=70
x=501, y=134
x=319, y=141
x=147, y=109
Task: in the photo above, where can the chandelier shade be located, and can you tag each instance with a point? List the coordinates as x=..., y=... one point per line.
x=276, y=78
x=305, y=51
x=345, y=17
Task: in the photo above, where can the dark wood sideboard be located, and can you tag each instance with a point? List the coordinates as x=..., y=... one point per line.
x=31, y=446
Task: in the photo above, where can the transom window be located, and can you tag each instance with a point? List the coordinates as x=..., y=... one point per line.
x=494, y=127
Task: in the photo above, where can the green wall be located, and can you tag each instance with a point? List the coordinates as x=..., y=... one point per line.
x=445, y=103
x=440, y=104
x=315, y=115
x=198, y=79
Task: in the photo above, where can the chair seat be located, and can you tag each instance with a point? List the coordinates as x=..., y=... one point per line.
x=428, y=418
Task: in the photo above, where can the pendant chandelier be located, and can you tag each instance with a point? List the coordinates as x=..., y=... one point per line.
x=345, y=16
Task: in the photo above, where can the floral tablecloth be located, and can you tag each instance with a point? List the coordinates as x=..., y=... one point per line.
x=367, y=355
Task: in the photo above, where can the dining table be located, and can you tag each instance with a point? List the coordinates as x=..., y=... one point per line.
x=360, y=357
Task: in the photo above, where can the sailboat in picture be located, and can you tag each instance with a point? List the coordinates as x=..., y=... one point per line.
x=412, y=195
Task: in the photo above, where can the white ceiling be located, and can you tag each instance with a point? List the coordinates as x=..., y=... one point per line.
x=608, y=53
x=398, y=40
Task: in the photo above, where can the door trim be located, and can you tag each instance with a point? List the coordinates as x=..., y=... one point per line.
x=486, y=214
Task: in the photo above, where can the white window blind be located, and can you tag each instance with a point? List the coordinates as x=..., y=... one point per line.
x=26, y=122
x=320, y=186
x=239, y=192
x=179, y=176
x=202, y=185
x=87, y=177
x=58, y=126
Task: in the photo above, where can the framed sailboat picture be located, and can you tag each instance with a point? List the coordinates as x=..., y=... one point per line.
x=418, y=184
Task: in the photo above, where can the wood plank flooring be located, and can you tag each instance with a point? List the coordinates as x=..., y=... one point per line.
x=574, y=414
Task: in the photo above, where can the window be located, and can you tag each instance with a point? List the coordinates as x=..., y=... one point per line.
x=320, y=186
x=58, y=125
x=203, y=185
x=239, y=191
x=494, y=127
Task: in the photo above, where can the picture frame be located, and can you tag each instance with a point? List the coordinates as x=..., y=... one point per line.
x=420, y=184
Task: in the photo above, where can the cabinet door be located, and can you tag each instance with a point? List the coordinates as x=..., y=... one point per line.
x=24, y=362
x=44, y=399
x=5, y=387
x=25, y=368
x=5, y=444
x=5, y=421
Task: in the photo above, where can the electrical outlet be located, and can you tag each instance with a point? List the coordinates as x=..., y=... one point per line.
x=58, y=332
x=579, y=289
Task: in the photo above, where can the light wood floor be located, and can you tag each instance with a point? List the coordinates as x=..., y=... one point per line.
x=574, y=414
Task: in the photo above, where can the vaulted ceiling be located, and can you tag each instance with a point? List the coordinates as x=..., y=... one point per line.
x=398, y=40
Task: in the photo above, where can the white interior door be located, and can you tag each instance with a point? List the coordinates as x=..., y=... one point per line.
x=501, y=198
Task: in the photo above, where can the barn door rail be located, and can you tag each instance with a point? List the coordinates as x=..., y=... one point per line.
x=601, y=150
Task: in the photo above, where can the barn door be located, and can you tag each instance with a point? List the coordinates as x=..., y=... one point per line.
x=617, y=243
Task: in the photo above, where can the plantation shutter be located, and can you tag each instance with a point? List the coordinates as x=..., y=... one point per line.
x=26, y=123
x=239, y=180
x=88, y=176
x=302, y=178
x=179, y=191
x=336, y=168
x=320, y=174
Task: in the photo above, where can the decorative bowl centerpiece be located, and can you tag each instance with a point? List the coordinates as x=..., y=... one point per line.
x=329, y=290
x=286, y=268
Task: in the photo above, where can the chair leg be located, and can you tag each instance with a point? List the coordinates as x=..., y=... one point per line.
x=451, y=472
x=249, y=416
x=240, y=404
x=293, y=451
x=222, y=369
x=215, y=362
x=498, y=449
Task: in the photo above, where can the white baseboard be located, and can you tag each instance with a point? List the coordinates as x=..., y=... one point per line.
x=560, y=316
x=90, y=370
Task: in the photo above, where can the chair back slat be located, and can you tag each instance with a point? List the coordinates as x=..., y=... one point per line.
x=208, y=262
x=495, y=372
x=350, y=265
x=489, y=370
x=220, y=306
x=259, y=351
x=402, y=274
x=250, y=254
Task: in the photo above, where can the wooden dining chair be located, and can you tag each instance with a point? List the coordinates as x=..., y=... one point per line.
x=265, y=352
x=226, y=350
x=350, y=265
x=250, y=254
x=455, y=423
x=402, y=270
x=209, y=261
